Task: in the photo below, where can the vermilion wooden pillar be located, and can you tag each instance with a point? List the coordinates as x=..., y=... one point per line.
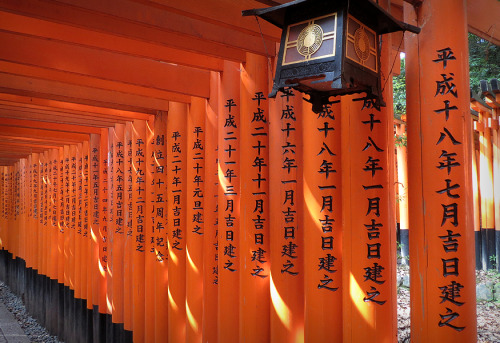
x=486, y=190
x=177, y=219
x=150, y=257
x=369, y=244
x=195, y=229
x=402, y=177
x=322, y=224
x=160, y=228
x=103, y=225
x=129, y=239
x=286, y=235
x=229, y=203
x=77, y=213
x=94, y=165
x=440, y=195
x=139, y=166
x=72, y=216
x=476, y=206
x=254, y=225
x=118, y=226
x=60, y=226
x=496, y=178
x=210, y=244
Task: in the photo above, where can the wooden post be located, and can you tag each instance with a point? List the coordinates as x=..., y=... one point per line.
x=195, y=228
x=496, y=179
x=95, y=216
x=129, y=239
x=322, y=224
x=139, y=227
x=286, y=236
x=477, y=212
x=486, y=191
x=150, y=257
x=210, y=244
x=117, y=227
x=229, y=203
x=402, y=177
x=369, y=245
x=254, y=225
x=177, y=202
x=103, y=225
x=442, y=274
x=160, y=230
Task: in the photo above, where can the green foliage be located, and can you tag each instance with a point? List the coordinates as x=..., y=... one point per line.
x=484, y=64
x=493, y=260
x=399, y=87
x=400, y=140
x=484, y=61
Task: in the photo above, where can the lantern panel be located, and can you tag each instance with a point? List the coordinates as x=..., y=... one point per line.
x=310, y=40
x=361, y=44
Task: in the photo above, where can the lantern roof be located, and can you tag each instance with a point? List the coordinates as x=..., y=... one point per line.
x=368, y=11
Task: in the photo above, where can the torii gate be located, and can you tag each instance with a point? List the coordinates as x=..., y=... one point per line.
x=172, y=201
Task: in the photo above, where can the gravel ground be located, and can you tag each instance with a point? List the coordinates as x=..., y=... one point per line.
x=488, y=312
x=33, y=330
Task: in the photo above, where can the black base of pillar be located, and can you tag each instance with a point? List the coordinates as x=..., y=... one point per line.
x=54, y=306
x=99, y=326
x=405, y=246
x=497, y=244
x=479, y=250
x=488, y=247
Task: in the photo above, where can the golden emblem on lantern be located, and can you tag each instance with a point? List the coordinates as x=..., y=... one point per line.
x=310, y=40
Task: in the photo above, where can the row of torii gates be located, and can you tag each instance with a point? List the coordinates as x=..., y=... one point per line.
x=153, y=193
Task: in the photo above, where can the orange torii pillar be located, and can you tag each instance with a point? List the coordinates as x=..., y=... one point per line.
x=210, y=243
x=486, y=190
x=103, y=233
x=139, y=166
x=476, y=206
x=402, y=177
x=94, y=231
x=110, y=234
x=117, y=227
x=442, y=274
x=322, y=208
x=87, y=241
x=79, y=267
x=496, y=178
x=229, y=204
x=3, y=202
x=177, y=219
x=286, y=208
x=160, y=227
x=150, y=257
x=254, y=225
x=195, y=223
x=369, y=232
x=129, y=240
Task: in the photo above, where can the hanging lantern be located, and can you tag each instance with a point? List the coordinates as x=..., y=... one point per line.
x=330, y=47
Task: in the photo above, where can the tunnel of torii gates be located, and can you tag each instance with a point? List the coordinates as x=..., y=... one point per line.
x=151, y=191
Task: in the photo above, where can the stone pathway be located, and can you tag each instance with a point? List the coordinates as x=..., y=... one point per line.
x=10, y=330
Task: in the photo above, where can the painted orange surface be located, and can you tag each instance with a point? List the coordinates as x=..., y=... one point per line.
x=230, y=251
x=177, y=219
x=254, y=226
x=441, y=237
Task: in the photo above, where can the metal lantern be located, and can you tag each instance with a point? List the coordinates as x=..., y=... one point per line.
x=329, y=47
